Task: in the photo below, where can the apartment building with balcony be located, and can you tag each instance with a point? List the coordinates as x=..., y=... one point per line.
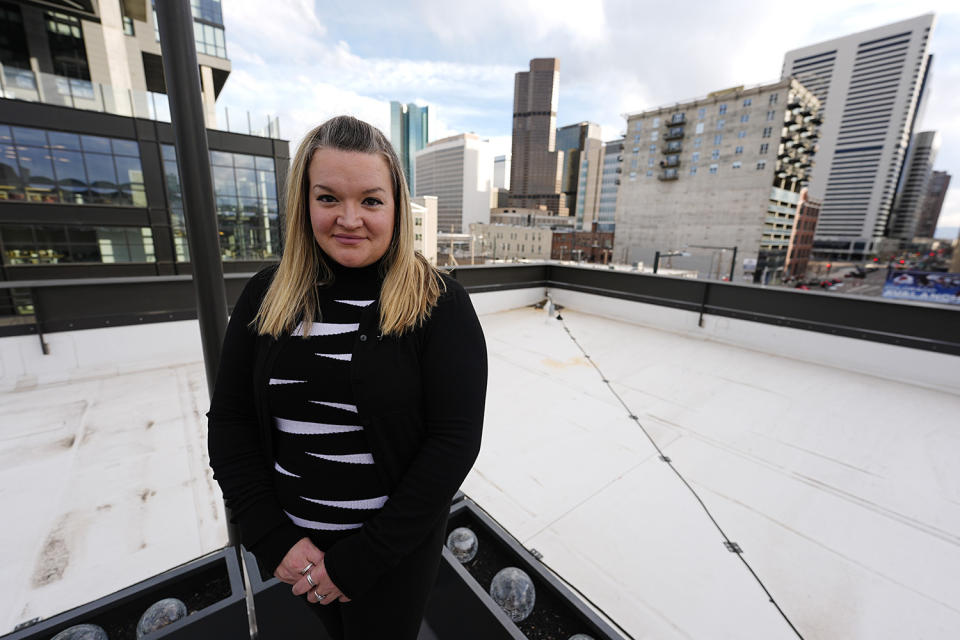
x=716, y=173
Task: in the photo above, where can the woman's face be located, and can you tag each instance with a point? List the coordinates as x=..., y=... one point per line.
x=351, y=205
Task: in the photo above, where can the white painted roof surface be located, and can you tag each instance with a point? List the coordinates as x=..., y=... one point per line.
x=843, y=489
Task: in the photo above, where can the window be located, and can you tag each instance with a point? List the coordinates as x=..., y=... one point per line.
x=656, y=122
x=761, y=165
x=723, y=108
x=633, y=175
x=771, y=115
x=699, y=128
x=697, y=142
x=207, y=10
x=695, y=157
x=715, y=154
x=717, y=139
x=738, y=150
x=57, y=244
x=653, y=148
x=37, y=165
x=67, y=49
x=767, y=131
x=742, y=134
x=636, y=139
x=763, y=148
x=649, y=162
x=635, y=162
x=649, y=172
x=748, y=102
x=774, y=97
x=654, y=135
x=713, y=169
x=245, y=192
x=737, y=164
x=701, y=112
x=693, y=171
x=209, y=40
x=678, y=117
x=638, y=125
x=745, y=117
x=720, y=123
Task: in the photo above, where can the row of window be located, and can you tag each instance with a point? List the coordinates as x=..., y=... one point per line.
x=57, y=244
x=721, y=110
x=713, y=169
x=49, y=166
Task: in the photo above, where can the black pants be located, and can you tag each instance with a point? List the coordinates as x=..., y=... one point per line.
x=394, y=607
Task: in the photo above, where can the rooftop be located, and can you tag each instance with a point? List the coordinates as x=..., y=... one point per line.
x=829, y=459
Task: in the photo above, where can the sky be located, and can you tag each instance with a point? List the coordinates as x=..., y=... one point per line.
x=306, y=61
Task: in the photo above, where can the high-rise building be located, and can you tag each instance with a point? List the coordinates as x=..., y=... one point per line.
x=409, y=133
x=580, y=183
x=536, y=163
x=917, y=171
x=610, y=185
x=89, y=182
x=501, y=172
x=458, y=170
x=724, y=171
x=933, y=204
x=800, y=246
x=870, y=85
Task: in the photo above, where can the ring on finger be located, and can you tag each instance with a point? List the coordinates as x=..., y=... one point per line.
x=319, y=597
x=310, y=580
x=306, y=568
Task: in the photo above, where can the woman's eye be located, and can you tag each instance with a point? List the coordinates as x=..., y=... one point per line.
x=372, y=201
x=326, y=198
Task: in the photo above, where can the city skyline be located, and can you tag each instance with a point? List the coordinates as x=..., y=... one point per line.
x=319, y=61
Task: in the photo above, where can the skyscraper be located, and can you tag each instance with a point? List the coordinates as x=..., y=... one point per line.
x=582, y=157
x=932, y=204
x=537, y=165
x=409, y=134
x=870, y=85
x=610, y=184
x=917, y=171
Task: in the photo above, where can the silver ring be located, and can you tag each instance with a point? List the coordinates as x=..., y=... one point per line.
x=310, y=580
x=306, y=568
x=319, y=597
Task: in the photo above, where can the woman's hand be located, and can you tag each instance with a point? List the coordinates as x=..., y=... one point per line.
x=305, y=559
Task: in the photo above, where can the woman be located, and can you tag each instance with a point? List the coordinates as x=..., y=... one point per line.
x=349, y=400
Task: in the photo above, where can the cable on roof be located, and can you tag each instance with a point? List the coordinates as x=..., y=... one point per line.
x=731, y=546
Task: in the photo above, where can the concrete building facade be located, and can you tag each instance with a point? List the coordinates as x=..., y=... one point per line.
x=103, y=56
x=510, y=242
x=458, y=171
x=917, y=172
x=715, y=173
x=933, y=204
x=536, y=163
x=425, y=226
x=870, y=85
x=591, y=246
x=530, y=218
x=801, y=237
x=501, y=172
x=409, y=133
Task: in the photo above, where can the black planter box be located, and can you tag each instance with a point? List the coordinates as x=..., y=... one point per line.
x=211, y=587
x=558, y=612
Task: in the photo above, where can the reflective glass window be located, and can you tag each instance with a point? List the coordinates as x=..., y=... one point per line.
x=37, y=170
x=246, y=182
x=103, y=177
x=244, y=161
x=61, y=140
x=5, y=136
x=224, y=181
x=32, y=137
x=71, y=175
x=126, y=148
x=96, y=143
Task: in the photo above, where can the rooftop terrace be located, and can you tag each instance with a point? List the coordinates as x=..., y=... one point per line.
x=826, y=450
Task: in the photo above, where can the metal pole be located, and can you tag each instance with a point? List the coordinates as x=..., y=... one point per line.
x=733, y=263
x=182, y=76
x=656, y=262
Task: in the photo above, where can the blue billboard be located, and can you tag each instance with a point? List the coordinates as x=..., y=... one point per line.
x=923, y=286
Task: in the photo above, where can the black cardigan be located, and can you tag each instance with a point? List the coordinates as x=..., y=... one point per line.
x=420, y=398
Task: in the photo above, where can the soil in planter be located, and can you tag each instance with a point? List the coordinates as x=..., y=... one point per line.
x=197, y=590
x=552, y=618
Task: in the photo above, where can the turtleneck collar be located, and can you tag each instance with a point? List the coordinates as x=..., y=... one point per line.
x=355, y=276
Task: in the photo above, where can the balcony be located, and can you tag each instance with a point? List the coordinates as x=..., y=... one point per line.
x=701, y=365
x=677, y=119
x=668, y=174
x=673, y=133
x=673, y=147
x=670, y=161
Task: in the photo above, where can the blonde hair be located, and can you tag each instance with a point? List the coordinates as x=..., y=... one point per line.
x=411, y=285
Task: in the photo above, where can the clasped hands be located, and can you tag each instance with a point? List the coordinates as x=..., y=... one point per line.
x=315, y=582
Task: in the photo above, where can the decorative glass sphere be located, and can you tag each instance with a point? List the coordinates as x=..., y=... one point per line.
x=82, y=632
x=513, y=590
x=580, y=636
x=159, y=615
x=463, y=543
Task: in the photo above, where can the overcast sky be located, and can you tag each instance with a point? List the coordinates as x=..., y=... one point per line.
x=305, y=61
